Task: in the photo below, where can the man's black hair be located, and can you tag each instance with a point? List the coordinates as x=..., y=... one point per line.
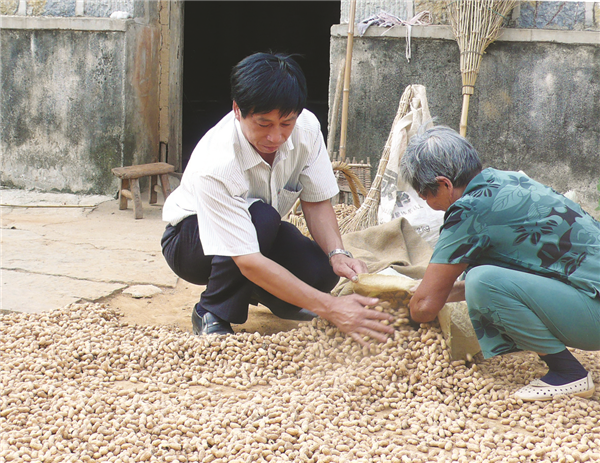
x=263, y=82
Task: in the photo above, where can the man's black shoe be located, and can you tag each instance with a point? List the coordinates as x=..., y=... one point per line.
x=304, y=315
x=209, y=324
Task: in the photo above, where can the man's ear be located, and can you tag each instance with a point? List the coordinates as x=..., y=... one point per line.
x=236, y=111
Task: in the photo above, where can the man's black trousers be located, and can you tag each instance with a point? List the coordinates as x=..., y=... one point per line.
x=228, y=293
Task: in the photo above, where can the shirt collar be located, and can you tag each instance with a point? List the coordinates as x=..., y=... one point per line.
x=248, y=155
x=284, y=151
x=475, y=183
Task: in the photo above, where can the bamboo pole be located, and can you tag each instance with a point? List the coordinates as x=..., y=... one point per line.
x=464, y=114
x=335, y=109
x=346, y=91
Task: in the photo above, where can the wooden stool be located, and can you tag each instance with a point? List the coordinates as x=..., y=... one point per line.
x=130, y=185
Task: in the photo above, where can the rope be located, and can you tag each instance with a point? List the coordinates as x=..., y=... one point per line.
x=384, y=19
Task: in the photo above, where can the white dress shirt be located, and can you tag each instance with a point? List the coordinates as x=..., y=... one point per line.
x=225, y=175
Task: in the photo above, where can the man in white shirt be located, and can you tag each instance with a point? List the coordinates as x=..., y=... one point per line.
x=225, y=229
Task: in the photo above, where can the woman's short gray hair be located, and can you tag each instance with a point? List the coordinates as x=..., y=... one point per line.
x=439, y=151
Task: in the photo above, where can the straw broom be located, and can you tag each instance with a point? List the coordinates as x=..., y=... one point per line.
x=476, y=24
x=366, y=215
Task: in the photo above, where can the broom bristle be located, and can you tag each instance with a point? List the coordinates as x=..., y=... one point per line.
x=476, y=24
x=366, y=215
x=353, y=181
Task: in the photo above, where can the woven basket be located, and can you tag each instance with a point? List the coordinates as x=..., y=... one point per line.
x=342, y=211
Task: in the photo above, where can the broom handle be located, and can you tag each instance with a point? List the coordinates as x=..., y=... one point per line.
x=464, y=114
x=346, y=91
x=335, y=109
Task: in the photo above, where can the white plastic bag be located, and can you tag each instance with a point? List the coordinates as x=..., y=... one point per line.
x=397, y=198
x=421, y=217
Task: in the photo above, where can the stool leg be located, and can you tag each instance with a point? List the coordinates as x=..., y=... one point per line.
x=153, y=185
x=166, y=186
x=122, y=198
x=138, y=211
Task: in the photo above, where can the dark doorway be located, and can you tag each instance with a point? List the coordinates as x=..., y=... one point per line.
x=218, y=34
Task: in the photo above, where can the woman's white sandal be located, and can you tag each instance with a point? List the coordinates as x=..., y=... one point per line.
x=539, y=390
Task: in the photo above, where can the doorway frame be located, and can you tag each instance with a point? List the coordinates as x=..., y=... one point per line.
x=171, y=82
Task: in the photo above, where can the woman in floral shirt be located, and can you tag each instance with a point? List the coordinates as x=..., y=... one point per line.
x=531, y=257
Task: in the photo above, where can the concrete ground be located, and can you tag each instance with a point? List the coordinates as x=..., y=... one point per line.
x=57, y=249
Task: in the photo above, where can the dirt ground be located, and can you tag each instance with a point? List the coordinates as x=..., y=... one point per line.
x=173, y=307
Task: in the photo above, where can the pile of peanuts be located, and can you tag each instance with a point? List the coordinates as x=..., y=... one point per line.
x=78, y=385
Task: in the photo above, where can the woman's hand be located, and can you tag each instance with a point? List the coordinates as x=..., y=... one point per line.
x=434, y=291
x=352, y=316
x=413, y=290
x=457, y=293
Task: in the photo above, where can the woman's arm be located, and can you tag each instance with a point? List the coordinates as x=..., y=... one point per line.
x=438, y=286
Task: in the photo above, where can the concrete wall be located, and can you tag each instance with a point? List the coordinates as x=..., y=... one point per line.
x=79, y=95
x=536, y=105
x=71, y=8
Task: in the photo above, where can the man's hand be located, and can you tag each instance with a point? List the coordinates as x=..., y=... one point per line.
x=348, y=313
x=351, y=316
x=346, y=267
x=322, y=224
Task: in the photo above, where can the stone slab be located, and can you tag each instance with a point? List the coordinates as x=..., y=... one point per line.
x=35, y=293
x=80, y=258
x=22, y=198
x=141, y=291
x=57, y=249
x=69, y=24
x=444, y=32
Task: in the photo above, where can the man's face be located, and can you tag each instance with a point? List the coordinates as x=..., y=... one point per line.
x=266, y=131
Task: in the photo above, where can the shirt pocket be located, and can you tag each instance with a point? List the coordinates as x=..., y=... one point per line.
x=286, y=199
